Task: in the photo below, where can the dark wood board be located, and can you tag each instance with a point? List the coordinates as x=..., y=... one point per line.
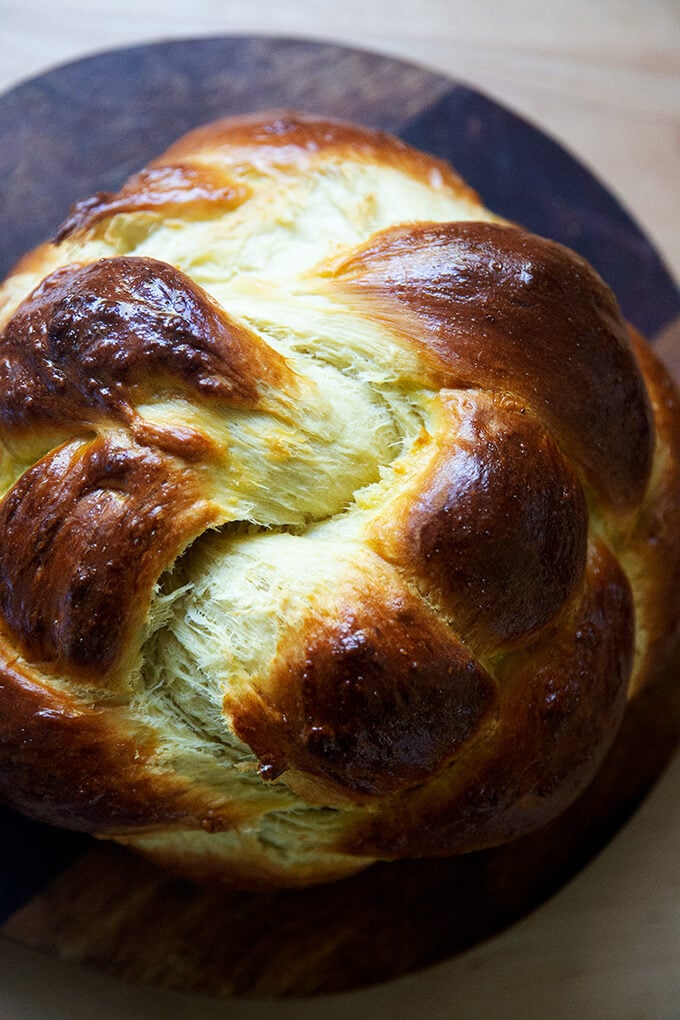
x=84, y=128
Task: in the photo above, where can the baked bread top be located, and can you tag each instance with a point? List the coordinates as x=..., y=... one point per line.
x=340, y=517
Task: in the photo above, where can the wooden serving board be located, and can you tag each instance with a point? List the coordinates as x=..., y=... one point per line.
x=84, y=128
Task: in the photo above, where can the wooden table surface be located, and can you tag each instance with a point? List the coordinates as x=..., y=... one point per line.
x=602, y=78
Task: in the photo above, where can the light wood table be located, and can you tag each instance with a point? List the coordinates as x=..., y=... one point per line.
x=602, y=78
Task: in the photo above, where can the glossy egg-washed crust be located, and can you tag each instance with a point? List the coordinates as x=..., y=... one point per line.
x=516, y=587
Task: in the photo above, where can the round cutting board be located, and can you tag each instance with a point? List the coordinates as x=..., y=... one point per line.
x=84, y=128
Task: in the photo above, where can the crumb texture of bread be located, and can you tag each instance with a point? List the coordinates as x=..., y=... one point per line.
x=340, y=518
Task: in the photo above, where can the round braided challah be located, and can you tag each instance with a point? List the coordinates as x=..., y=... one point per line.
x=340, y=518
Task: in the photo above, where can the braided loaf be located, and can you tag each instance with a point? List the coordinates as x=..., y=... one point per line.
x=340, y=518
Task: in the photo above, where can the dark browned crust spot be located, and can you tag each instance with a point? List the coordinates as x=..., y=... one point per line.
x=86, y=532
x=92, y=340
x=288, y=139
x=561, y=703
x=497, y=308
x=370, y=698
x=165, y=190
x=496, y=527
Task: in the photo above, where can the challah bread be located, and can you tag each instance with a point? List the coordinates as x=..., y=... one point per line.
x=340, y=518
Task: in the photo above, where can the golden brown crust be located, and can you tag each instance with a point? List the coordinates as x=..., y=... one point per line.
x=494, y=307
x=285, y=139
x=94, y=768
x=91, y=341
x=86, y=532
x=653, y=543
x=497, y=583
x=165, y=190
x=494, y=527
x=374, y=696
x=561, y=702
